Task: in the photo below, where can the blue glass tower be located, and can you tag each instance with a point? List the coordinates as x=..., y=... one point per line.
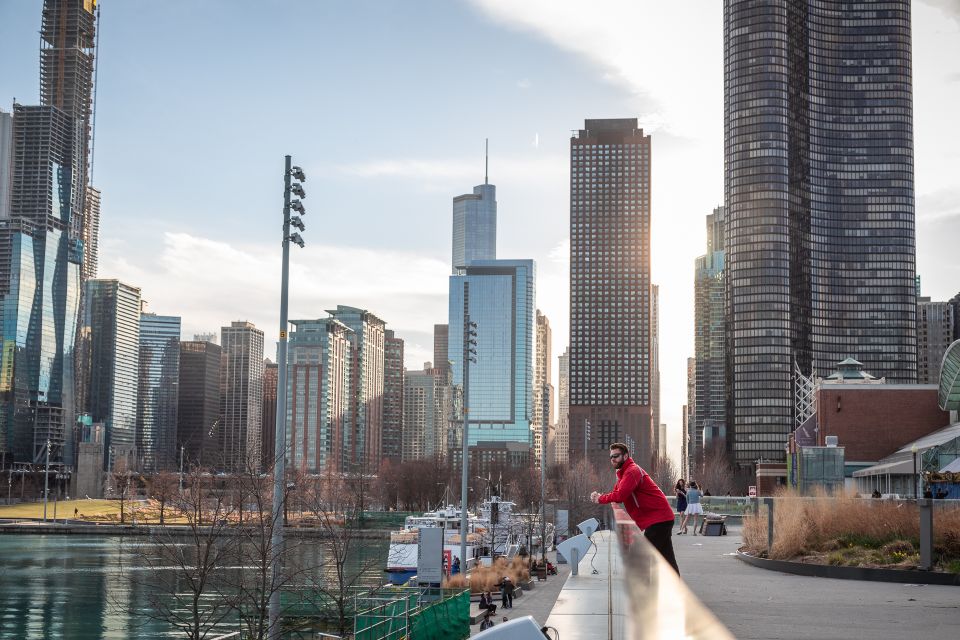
x=158, y=394
x=501, y=300
x=475, y=226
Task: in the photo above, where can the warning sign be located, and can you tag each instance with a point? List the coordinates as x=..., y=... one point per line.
x=752, y=491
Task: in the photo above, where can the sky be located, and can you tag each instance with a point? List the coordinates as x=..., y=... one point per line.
x=386, y=106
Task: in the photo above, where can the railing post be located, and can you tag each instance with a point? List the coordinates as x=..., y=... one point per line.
x=769, y=502
x=926, y=533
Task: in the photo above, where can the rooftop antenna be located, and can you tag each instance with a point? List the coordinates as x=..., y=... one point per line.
x=486, y=161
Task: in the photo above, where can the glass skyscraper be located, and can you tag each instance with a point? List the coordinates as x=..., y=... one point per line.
x=198, y=413
x=241, y=401
x=709, y=309
x=475, y=226
x=158, y=395
x=819, y=199
x=318, y=395
x=111, y=320
x=500, y=296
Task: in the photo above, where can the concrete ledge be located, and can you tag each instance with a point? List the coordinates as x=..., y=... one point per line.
x=852, y=573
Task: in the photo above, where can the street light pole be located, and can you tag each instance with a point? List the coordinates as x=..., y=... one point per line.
x=46, y=481
x=280, y=431
x=913, y=455
x=469, y=342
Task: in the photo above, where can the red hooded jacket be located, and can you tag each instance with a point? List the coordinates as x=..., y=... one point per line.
x=640, y=495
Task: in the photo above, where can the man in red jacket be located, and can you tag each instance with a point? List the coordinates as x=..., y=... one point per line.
x=643, y=500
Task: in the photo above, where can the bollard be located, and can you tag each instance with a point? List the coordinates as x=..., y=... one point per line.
x=574, y=561
x=769, y=502
x=926, y=534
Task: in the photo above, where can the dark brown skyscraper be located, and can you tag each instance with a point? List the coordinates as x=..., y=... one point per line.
x=441, y=334
x=198, y=414
x=610, y=314
x=268, y=433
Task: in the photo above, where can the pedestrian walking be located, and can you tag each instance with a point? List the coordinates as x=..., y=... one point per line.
x=693, y=508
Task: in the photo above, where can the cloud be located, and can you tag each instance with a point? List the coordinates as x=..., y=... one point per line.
x=209, y=283
x=524, y=83
x=938, y=205
x=950, y=7
x=621, y=37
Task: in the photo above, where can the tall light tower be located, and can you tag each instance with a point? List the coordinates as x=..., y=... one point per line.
x=290, y=173
x=469, y=355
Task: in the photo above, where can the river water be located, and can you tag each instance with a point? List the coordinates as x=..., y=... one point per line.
x=84, y=588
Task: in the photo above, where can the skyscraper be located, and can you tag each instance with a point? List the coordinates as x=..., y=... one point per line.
x=393, y=373
x=689, y=420
x=819, y=200
x=426, y=411
x=499, y=296
x=241, y=400
x=475, y=226
x=320, y=373
x=936, y=325
x=542, y=390
x=610, y=325
x=41, y=240
x=268, y=417
x=112, y=320
x=198, y=411
x=158, y=393
x=655, y=365
x=561, y=449
x=363, y=444
x=441, y=335
x=709, y=317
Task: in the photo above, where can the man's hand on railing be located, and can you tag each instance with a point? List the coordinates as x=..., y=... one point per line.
x=595, y=497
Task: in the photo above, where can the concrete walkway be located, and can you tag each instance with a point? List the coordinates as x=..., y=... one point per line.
x=536, y=602
x=757, y=603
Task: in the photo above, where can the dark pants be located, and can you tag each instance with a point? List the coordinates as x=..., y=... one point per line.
x=659, y=536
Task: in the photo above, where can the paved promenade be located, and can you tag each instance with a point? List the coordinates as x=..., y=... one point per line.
x=757, y=603
x=538, y=602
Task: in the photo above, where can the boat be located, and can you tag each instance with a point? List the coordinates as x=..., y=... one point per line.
x=402, y=552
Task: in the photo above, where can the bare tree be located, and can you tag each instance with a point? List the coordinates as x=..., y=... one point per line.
x=717, y=474
x=524, y=487
x=665, y=474
x=577, y=484
x=183, y=569
x=163, y=487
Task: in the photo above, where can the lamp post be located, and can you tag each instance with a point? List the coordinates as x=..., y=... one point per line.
x=290, y=173
x=46, y=481
x=469, y=355
x=913, y=455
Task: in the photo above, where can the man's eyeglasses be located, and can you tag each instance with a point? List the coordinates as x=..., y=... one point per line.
x=615, y=456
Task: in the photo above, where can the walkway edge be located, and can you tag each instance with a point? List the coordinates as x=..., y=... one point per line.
x=852, y=573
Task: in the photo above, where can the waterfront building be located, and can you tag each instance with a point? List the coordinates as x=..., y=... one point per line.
x=936, y=326
x=393, y=393
x=320, y=375
x=542, y=392
x=709, y=293
x=610, y=305
x=561, y=449
x=499, y=296
x=362, y=446
x=475, y=226
x=198, y=407
x=426, y=413
x=241, y=400
x=819, y=202
x=111, y=322
x=158, y=392
x=268, y=417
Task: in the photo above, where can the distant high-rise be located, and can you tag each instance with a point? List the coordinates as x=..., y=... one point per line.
x=393, y=373
x=198, y=412
x=241, y=401
x=91, y=234
x=320, y=373
x=690, y=416
x=610, y=325
x=112, y=318
x=475, y=226
x=955, y=305
x=158, y=393
x=268, y=417
x=499, y=296
x=936, y=325
x=426, y=411
x=655, y=364
x=561, y=451
x=441, y=335
x=819, y=200
x=542, y=390
x=6, y=162
x=362, y=446
x=709, y=304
